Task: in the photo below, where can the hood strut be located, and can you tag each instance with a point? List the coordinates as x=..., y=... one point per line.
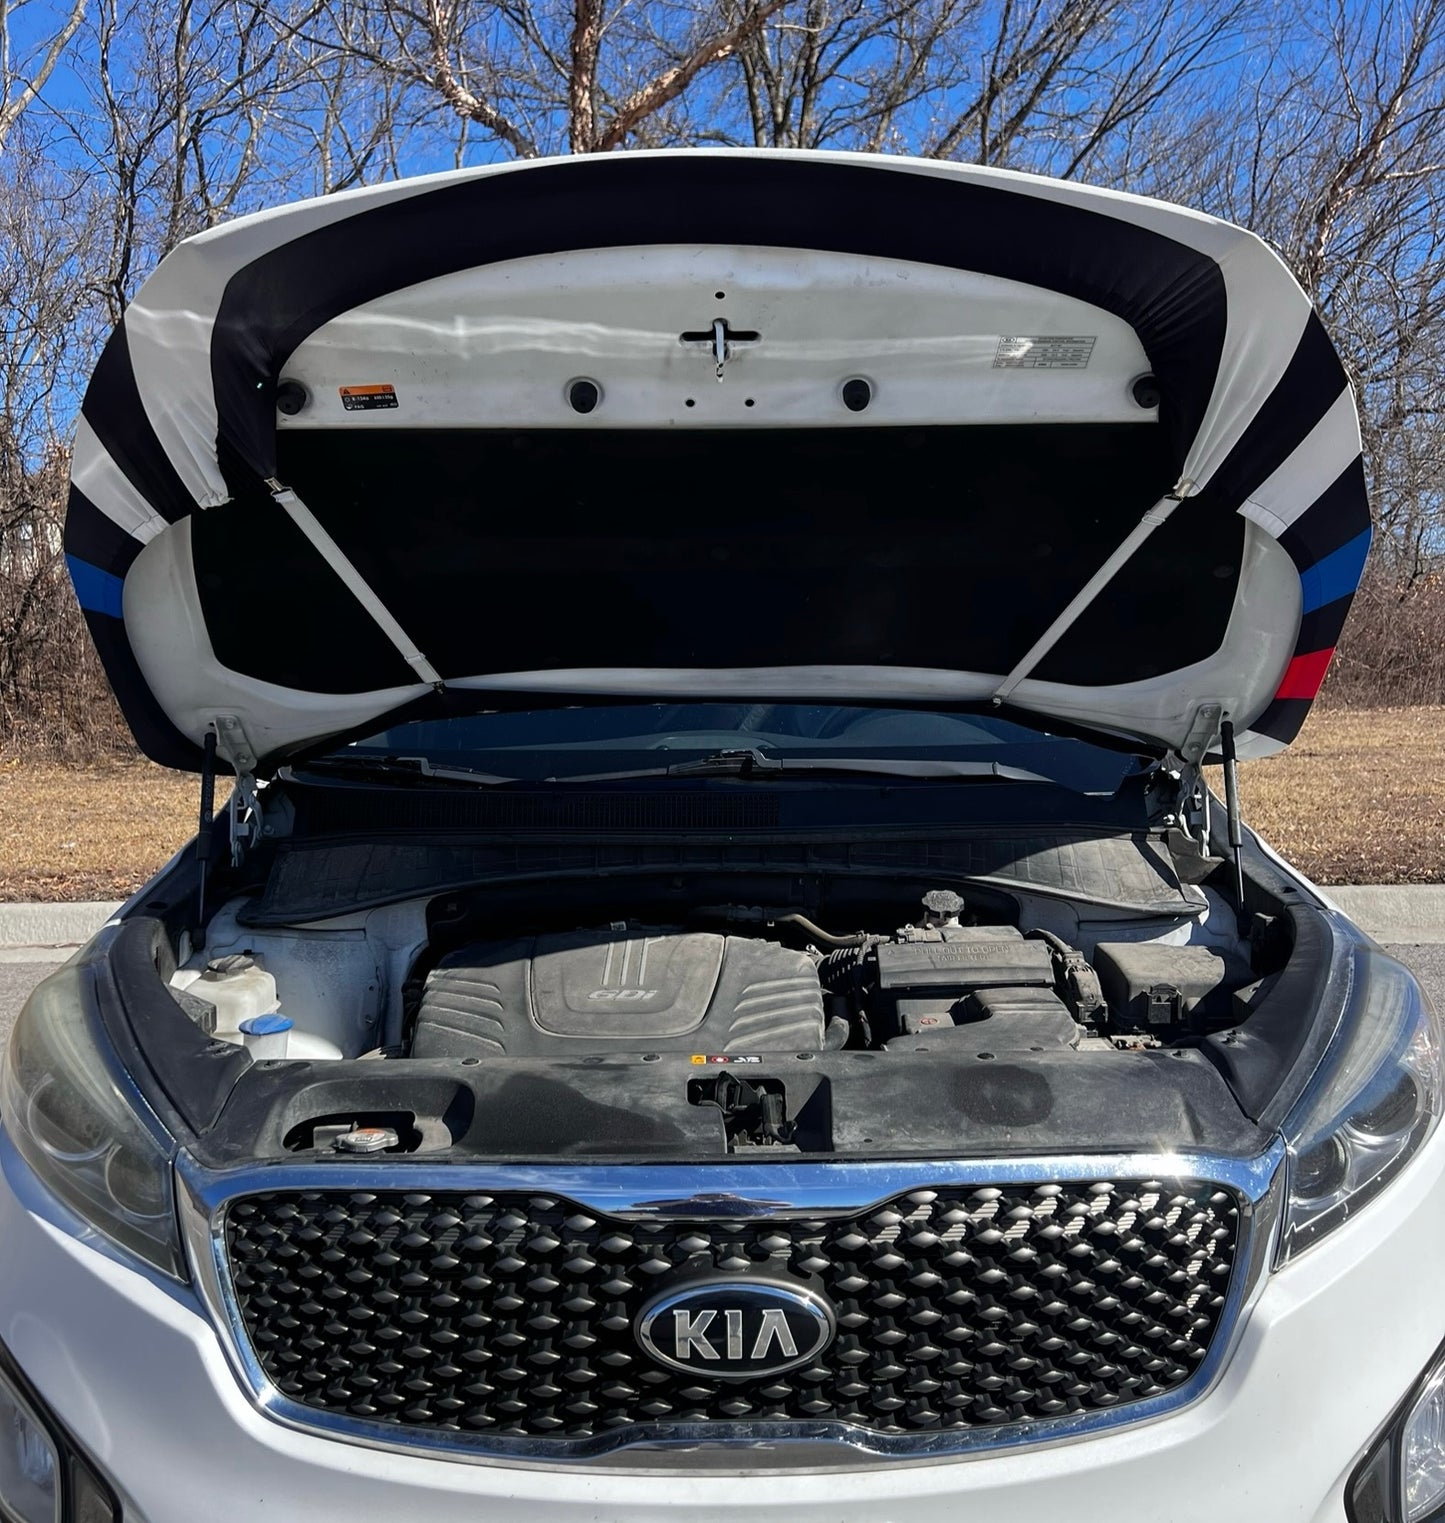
x=204, y=833
x=1231, y=809
x=360, y=588
x=1091, y=589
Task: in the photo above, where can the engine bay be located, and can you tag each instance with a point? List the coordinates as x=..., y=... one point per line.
x=448, y=1024
x=630, y=987
x=783, y=985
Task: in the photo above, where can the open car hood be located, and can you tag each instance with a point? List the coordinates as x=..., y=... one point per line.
x=854, y=428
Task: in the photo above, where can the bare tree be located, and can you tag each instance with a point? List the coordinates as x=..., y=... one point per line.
x=1319, y=123
x=534, y=78
x=24, y=69
x=50, y=685
x=852, y=74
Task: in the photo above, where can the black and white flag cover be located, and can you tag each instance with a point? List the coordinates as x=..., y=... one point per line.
x=732, y=424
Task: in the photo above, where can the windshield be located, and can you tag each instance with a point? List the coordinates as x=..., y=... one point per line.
x=558, y=744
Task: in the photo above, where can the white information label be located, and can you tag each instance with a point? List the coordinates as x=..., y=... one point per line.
x=1044, y=351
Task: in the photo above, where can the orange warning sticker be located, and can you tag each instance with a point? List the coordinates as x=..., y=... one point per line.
x=367, y=398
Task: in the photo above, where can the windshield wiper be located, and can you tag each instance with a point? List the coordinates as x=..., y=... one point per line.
x=751, y=763
x=747, y=763
x=412, y=768
x=755, y=764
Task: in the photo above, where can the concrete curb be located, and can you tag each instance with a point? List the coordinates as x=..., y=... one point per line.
x=1405, y=914
x=54, y=925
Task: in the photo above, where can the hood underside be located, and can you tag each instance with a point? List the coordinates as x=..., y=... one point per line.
x=732, y=425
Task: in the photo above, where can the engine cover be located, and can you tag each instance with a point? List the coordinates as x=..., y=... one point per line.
x=595, y=991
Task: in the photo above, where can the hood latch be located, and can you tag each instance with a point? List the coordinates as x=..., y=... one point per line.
x=720, y=341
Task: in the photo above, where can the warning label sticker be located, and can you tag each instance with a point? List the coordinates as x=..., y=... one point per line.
x=726, y=1057
x=1042, y=351
x=367, y=398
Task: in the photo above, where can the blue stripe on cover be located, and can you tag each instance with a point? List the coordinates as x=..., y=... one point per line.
x=1337, y=575
x=95, y=590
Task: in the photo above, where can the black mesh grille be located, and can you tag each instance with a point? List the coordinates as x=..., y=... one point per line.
x=513, y=1314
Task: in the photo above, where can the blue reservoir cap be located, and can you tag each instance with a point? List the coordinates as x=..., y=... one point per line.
x=266, y=1025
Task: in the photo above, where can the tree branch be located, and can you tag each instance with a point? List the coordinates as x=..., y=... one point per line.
x=668, y=85
x=459, y=98
x=12, y=109
x=582, y=76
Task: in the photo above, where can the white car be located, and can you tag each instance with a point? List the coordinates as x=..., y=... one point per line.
x=720, y=992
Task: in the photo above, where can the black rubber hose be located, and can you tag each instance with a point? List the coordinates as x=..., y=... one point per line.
x=858, y=939
x=738, y=914
x=1056, y=942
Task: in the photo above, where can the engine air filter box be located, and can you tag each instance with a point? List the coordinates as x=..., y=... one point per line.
x=966, y=958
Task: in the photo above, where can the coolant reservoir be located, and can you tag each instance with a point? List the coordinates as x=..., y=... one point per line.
x=240, y=989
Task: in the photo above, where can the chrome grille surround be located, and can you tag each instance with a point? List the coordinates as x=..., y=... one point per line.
x=743, y=1196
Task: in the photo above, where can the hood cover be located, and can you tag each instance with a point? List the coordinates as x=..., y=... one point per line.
x=857, y=428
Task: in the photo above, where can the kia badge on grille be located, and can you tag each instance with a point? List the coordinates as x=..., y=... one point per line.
x=736, y=1329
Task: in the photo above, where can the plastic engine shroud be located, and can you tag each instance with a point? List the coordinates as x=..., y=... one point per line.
x=588, y=992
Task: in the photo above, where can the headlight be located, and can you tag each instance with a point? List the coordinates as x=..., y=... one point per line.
x=1402, y=1478
x=78, y=1123
x=1377, y=1096
x=1422, y=1445
x=43, y=1476
x=29, y=1461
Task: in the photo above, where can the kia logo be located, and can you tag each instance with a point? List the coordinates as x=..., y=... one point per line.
x=736, y=1329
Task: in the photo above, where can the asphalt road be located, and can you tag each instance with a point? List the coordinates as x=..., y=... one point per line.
x=18, y=978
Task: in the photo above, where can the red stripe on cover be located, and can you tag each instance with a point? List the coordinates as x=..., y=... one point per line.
x=1302, y=677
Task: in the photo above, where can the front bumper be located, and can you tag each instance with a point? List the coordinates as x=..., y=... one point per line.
x=133, y=1368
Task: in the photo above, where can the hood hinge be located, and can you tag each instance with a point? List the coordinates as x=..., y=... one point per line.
x=1203, y=727
x=234, y=744
x=1191, y=810
x=245, y=807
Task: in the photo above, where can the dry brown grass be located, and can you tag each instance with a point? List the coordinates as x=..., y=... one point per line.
x=1359, y=798
x=93, y=832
